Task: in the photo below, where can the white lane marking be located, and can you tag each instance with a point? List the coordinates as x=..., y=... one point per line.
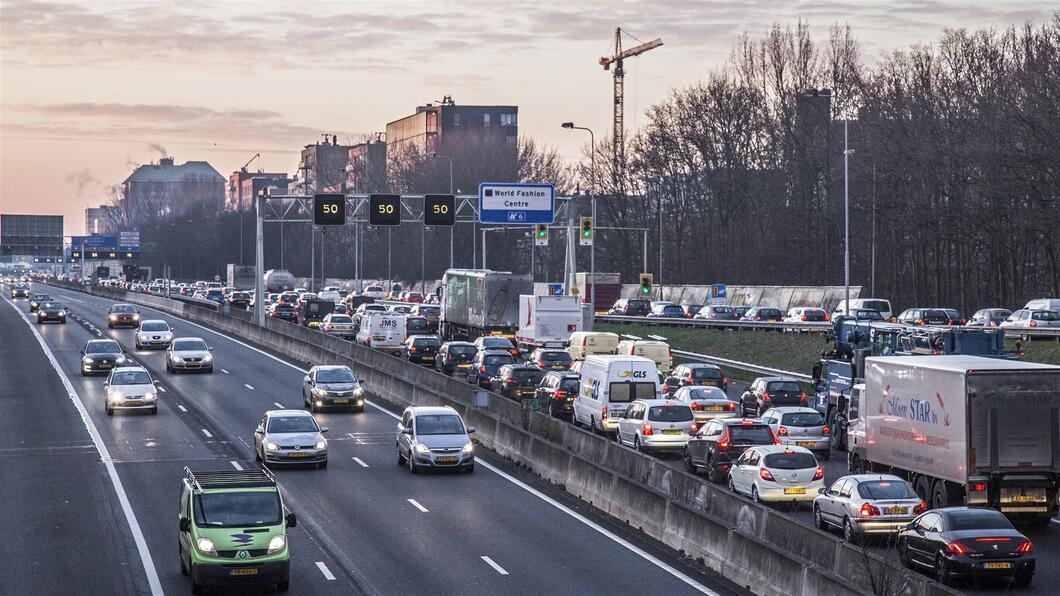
x=619, y=540
x=104, y=454
x=182, y=408
x=1055, y=521
x=162, y=389
x=251, y=387
x=358, y=460
x=236, y=465
x=207, y=433
x=493, y=564
x=278, y=405
x=327, y=572
x=224, y=371
x=417, y=505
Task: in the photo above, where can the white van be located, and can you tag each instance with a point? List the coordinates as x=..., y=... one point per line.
x=609, y=385
x=382, y=330
x=657, y=351
x=877, y=304
x=590, y=343
x=1044, y=304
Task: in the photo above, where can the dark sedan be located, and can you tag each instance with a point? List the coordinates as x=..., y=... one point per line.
x=284, y=312
x=19, y=291
x=516, y=381
x=964, y=543
x=421, y=349
x=455, y=355
x=764, y=314
x=100, y=356
x=551, y=359
x=36, y=300
x=51, y=311
x=556, y=393
x=240, y=300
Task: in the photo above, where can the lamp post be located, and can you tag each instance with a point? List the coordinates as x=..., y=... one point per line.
x=450, y=159
x=592, y=199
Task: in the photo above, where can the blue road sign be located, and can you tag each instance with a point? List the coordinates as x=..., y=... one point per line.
x=96, y=243
x=718, y=294
x=518, y=204
x=555, y=289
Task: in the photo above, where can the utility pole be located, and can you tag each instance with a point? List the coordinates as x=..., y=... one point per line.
x=259, y=258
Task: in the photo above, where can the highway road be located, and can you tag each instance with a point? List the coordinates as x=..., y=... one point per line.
x=365, y=524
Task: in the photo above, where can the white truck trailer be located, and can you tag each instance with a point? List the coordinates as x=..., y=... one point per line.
x=547, y=321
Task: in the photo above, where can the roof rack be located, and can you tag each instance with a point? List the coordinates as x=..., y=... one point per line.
x=260, y=478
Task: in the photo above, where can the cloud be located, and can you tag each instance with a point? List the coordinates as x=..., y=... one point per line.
x=83, y=180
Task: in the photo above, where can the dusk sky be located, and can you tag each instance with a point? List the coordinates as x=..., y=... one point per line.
x=90, y=89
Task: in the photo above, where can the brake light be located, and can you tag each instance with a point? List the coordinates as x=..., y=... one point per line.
x=603, y=413
x=803, y=398
x=1026, y=548
x=695, y=427
x=804, y=318
x=819, y=474
x=724, y=442
x=412, y=350
x=980, y=486
x=827, y=318
x=541, y=363
x=482, y=369
x=783, y=431
x=646, y=430
x=690, y=379
x=666, y=388
x=765, y=474
x=868, y=510
x=515, y=352
x=695, y=406
x=509, y=381
x=724, y=380
x=561, y=393
x=1034, y=323
x=992, y=539
x=920, y=321
x=922, y=507
x=957, y=548
x=328, y=326
x=826, y=431
x=730, y=407
x=776, y=439
x=765, y=396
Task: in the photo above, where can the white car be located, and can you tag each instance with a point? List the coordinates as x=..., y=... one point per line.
x=401, y=309
x=865, y=504
x=800, y=426
x=189, y=353
x=707, y=403
x=777, y=473
x=1032, y=319
x=130, y=388
x=656, y=425
x=374, y=292
x=332, y=295
x=153, y=333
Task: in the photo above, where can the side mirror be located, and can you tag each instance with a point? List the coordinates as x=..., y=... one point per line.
x=306, y=379
x=106, y=383
x=210, y=348
x=260, y=430
x=822, y=491
x=324, y=429
x=471, y=430
x=406, y=431
x=82, y=352
x=185, y=524
x=292, y=520
x=911, y=526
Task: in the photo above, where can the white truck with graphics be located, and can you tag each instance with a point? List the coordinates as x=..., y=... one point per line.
x=964, y=430
x=383, y=331
x=609, y=384
x=547, y=321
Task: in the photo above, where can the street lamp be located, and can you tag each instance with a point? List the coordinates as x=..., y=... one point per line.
x=592, y=199
x=450, y=159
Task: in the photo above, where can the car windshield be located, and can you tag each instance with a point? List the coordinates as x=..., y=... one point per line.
x=757, y=434
x=868, y=314
x=374, y=307
x=154, y=327
x=627, y=392
x=427, y=342
x=42, y=297
x=102, y=347
x=374, y=289
x=130, y=377
x=335, y=375
x=638, y=305
x=556, y=356
x=707, y=393
x=292, y=424
x=416, y=324
x=214, y=293
x=673, y=309
x=670, y=414
x=531, y=375
x=462, y=349
x=496, y=359
x=439, y=424
x=343, y=319
x=885, y=489
x=769, y=312
x=705, y=373
x=1046, y=315
x=191, y=345
x=122, y=308
x=496, y=343
x=237, y=509
x=786, y=386
x=240, y=296
x=51, y=306
x=722, y=309
x=790, y=461
x=935, y=314
x=878, y=305
x=570, y=386
x=430, y=310
x=802, y=419
x=977, y=520
x=285, y=308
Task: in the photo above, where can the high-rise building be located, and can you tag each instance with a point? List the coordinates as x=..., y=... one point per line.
x=243, y=186
x=367, y=167
x=323, y=166
x=439, y=127
x=99, y=220
x=163, y=188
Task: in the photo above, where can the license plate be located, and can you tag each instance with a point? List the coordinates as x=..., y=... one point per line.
x=299, y=454
x=342, y=401
x=243, y=571
x=134, y=403
x=805, y=443
x=672, y=431
x=105, y=365
x=997, y=565
x=447, y=459
x=794, y=491
x=895, y=510
x=463, y=365
x=1025, y=499
x=713, y=408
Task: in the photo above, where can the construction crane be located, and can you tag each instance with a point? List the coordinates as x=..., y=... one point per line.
x=249, y=161
x=619, y=136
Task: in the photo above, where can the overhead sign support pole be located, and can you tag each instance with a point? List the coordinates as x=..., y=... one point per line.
x=259, y=258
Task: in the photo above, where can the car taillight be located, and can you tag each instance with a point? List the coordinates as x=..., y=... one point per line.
x=922, y=507
x=541, y=363
x=509, y=381
x=482, y=369
x=765, y=474
x=725, y=441
x=783, y=431
x=724, y=380
x=805, y=318
x=826, y=431
x=412, y=350
x=1026, y=548
x=515, y=352
x=1034, y=323
x=690, y=379
x=561, y=393
x=819, y=474
x=827, y=318
x=868, y=510
x=776, y=439
x=957, y=548
x=695, y=427
x=646, y=430
x=802, y=399
x=603, y=413
x=920, y=321
x=695, y=406
x=730, y=407
x=765, y=396
x=979, y=486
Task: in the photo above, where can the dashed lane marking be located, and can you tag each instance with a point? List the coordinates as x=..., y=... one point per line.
x=327, y=572
x=236, y=465
x=182, y=408
x=415, y=504
x=207, y=433
x=251, y=387
x=362, y=464
x=493, y=564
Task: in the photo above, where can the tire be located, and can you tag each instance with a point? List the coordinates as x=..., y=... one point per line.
x=169, y=369
x=1023, y=580
x=636, y=443
x=110, y=411
x=850, y=534
x=470, y=469
x=854, y=465
x=922, y=487
x=283, y=586
x=712, y=474
x=83, y=373
x=689, y=466
x=903, y=556
x=732, y=486
x=940, y=497
x=941, y=574
x=180, y=553
x=592, y=425
x=323, y=465
x=257, y=456
x=154, y=411
x=413, y=468
x=754, y=494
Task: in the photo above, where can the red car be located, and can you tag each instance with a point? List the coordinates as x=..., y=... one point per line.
x=415, y=297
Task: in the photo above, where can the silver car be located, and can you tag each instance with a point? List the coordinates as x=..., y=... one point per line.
x=153, y=333
x=434, y=437
x=1032, y=319
x=656, y=425
x=338, y=325
x=290, y=437
x=865, y=504
x=130, y=388
x=707, y=403
x=189, y=353
x=332, y=386
x=804, y=427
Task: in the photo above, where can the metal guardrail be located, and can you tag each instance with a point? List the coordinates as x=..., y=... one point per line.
x=746, y=366
x=820, y=327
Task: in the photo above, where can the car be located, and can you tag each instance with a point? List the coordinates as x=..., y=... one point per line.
x=153, y=333
x=804, y=314
x=707, y=403
x=496, y=342
x=332, y=295
x=777, y=473
x=338, y=325
x=740, y=311
x=924, y=316
x=988, y=317
x=284, y=312
x=485, y=364
x=421, y=349
x=214, y=295
x=454, y=355
x=964, y=542
x=630, y=307
x=1032, y=319
x=430, y=312
x=716, y=312
x=654, y=350
x=866, y=314
x=414, y=297
x=290, y=297
x=401, y=309
x=396, y=290
x=697, y=375
x=36, y=300
x=239, y=300
x=656, y=425
x=551, y=359
x=189, y=353
x=953, y=317
x=667, y=311
x=691, y=310
x=130, y=388
x=516, y=381
x=19, y=291
x=374, y=292
x=305, y=297
x=556, y=392
x=51, y=311
x=800, y=426
x=764, y=314
x=332, y=385
x=1052, y=304
x=718, y=443
x=863, y=505
x=232, y=522
x=340, y=309
x=290, y=437
x=768, y=392
x=122, y=315
x=879, y=305
x=418, y=326
x=431, y=437
x=101, y=355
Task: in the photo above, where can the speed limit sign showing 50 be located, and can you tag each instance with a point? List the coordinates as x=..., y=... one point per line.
x=384, y=210
x=438, y=210
x=329, y=209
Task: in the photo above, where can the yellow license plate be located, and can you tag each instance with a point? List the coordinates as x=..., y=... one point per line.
x=794, y=491
x=342, y=401
x=134, y=403
x=672, y=431
x=105, y=365
x=463, y=365
x=997, y=565
x=805, y=443
x=713, y=408
x=447, y=459
x=1025, y=499
x=895, y=510
x=243, y=571
x=299, y=454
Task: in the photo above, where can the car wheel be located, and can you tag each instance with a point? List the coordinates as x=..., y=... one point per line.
x=323, y=465
x=941, y=573
x=470, y=468
x=154, y=410
x=137, y=344
x=413, y=468
x=180, y=553
x=850, y=533
x=712, y=473
x=401, y=458
x=940, y=496
x=636, y=443
x=1023, y=579
x=312, y=406
x=754, y=494
x=903, y=555
x=283, y=586
x=169, y=369
x=110, y=411
x=257, y=455
x=689, y=464
x=592, y=425
x=196, y=588
x=818, y=519
x=84, y=373
x=732, y=485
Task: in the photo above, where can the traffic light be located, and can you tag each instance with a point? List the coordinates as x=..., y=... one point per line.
x=645, y=285
x=586, y=236
x=541, y=235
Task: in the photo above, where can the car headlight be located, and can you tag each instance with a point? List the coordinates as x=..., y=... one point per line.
x=318, y=392
x=206, y=545
x=176, y=358
x=114, y=395
x=272, y=447
x=322, y=444
x=359, y=392
x=136, y=317
x=168, y=336
x=422, y=449
x=150, y=395
x=62, y=313
x=277, y=543
x=88, y=360
x=207, y=358
x=468, y=447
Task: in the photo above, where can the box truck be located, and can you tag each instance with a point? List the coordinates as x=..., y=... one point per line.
x=240, y=276
x=477, y=302
x=547, y=321
x=964, y=430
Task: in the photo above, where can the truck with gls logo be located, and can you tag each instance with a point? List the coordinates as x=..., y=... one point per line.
x=609, y=384
x=963, y=430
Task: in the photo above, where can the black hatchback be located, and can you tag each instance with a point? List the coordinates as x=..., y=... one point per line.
x=516, y=381
x=421, y=349
x=454, y=355
x=718, y=443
